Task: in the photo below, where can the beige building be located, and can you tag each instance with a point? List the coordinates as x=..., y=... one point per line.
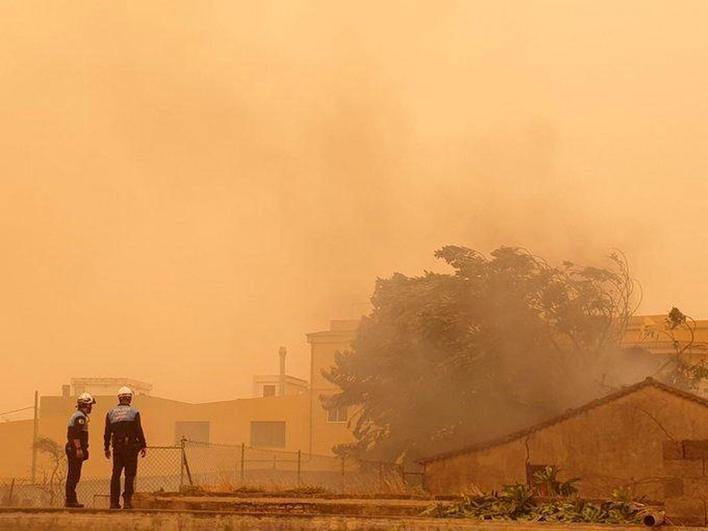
x=649, y=332
x=285, y=413
x=327, y=428
x=104, y=386
x=280, y=384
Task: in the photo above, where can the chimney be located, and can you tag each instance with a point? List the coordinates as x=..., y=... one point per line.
x=283, y=352
x=65, y=391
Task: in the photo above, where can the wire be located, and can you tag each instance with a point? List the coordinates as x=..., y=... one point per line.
x=17, y=410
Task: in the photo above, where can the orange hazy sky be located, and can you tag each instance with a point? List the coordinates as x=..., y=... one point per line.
x=185, y=186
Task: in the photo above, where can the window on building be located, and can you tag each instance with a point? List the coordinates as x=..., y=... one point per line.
x=337, y=414
x=268, y=434
x=193, y=431
x=269, y=390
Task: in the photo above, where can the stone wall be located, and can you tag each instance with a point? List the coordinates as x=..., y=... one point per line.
x=617, y=444
x=685, y=481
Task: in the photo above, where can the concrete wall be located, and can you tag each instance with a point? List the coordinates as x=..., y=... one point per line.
x=618, y=444
x=175, y=521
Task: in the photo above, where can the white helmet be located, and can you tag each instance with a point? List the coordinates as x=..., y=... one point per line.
x=125, y=392
x=85, y=399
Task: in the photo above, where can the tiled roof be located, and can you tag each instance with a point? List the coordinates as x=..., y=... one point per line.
x=628, y=390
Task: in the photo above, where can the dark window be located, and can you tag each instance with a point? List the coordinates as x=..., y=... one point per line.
x=268, y=390
x=268, y=434
x=193, y=431
x=337, y=414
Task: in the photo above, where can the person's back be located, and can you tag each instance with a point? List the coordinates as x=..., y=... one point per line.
x=125, y=428
x=124, y=432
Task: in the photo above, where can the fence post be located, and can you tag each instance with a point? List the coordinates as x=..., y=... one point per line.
x=12, y=491
x=35, y=435
x=243, y=461
x=299, y=466
x=186, y=463
x=181, y=464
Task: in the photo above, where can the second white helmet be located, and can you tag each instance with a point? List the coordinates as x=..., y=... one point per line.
x=85, y=399
x=125, y=392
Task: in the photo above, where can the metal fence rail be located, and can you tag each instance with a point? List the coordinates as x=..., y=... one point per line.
x=232, y=467
x=222, y=468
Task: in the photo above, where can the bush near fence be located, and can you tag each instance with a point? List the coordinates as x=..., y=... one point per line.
x=223, y=468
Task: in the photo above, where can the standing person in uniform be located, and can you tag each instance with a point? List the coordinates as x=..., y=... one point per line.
x=125, y=433
x=77, y=442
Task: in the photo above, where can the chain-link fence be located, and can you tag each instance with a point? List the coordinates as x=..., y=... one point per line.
x=231, y=468
x=162, y=469
x=221, y=468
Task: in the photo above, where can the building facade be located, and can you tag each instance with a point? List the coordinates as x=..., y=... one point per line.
x=284, y=414
x=613, y=442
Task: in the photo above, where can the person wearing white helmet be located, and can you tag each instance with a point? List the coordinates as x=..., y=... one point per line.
x=77, y=446
x=124, y=433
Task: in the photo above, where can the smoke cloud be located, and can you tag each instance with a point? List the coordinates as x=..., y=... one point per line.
x=186, y=185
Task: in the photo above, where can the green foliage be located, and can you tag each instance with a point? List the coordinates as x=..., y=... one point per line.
x=515, y=502
x=496, y=343
x=680, y=370
x=546, y=482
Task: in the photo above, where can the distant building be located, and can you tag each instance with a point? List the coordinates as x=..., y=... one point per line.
x=270, y=385
x=280, y=384
x=650, y=333
x=105, y=386
x=285, y=412
x=328, y=428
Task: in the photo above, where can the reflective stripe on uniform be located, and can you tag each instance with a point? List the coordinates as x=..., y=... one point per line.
x=122, y=413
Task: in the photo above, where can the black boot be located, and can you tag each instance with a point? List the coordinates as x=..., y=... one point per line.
x=73, y=504
x=115, y=505
x=127, y=503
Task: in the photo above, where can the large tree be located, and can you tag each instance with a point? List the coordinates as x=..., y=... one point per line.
x=500, y=341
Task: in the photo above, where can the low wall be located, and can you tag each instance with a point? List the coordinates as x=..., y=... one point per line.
x=80, y=520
